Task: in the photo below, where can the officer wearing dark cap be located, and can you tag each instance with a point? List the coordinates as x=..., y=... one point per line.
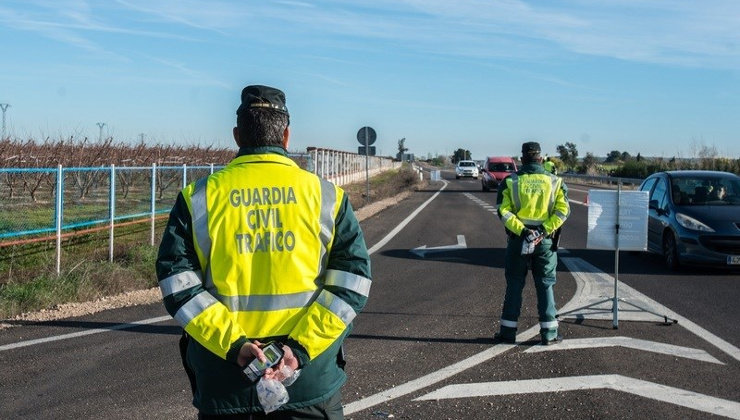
x=263, y=251
x=532, y=204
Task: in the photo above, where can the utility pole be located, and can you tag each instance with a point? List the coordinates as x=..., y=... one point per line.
x=100, y=126
x=5, y=108
x=141, y=137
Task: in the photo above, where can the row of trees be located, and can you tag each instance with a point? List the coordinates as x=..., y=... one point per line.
x=71, y=152
x=623, y=164
x=83, y=153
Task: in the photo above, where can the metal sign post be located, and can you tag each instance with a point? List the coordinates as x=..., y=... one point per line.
x=366, y=136
x=367, y=165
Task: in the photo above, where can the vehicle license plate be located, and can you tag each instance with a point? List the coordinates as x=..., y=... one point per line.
x=733, y=260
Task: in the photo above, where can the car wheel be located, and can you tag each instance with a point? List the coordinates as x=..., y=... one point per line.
x=457, y=176
x=483, y=186
x=670, y=251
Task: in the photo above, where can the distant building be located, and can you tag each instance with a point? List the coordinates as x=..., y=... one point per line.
x=405, y=157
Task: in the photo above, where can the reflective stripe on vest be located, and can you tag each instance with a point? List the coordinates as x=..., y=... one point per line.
x=516, y=202
x=200, y=225
x=179, y=282
x=349, y=281
x=328, y=199
x=266, y=302
x=555, y=183
x=336, y=306
x=194, y=307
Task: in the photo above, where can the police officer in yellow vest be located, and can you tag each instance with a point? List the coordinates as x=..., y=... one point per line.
x=532, y=204
x=262, y=251
x=549, y=166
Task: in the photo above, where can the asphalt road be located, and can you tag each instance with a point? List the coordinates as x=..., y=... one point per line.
x=422, y=347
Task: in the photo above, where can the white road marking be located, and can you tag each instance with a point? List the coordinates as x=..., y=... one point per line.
x=436, y=376
x=405, y=222
x=593, y=285
x=658, y=392
x=84, y=333
x=629, y=342
x=587, y=292
x=583, y=203
x=423, y=250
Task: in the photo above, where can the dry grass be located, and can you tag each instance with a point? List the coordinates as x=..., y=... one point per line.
x=385, y=185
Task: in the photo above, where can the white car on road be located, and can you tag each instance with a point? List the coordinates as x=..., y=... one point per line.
x=466, y=168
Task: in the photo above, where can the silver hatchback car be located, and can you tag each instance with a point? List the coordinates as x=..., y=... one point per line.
x=694, y=217
x=466, y=168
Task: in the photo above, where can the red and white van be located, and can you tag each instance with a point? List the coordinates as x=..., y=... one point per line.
x=495, y=169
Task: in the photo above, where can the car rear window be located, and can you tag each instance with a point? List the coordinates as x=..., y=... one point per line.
x=501, y=167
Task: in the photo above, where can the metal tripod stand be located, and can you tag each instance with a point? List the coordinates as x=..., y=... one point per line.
x=616, y=299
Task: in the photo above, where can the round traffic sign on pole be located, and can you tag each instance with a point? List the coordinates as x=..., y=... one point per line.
x=366, y=136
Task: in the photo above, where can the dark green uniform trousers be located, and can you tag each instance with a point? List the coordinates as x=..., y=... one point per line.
x=331, y=409
x=543, y=263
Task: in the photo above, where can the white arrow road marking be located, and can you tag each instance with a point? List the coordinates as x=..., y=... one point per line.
x=593, y=285
x=423, y=250
x=436, y=376
x=619, y=383
x=633, y=343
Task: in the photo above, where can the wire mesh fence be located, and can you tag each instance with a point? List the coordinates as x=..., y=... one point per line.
x=110, y=205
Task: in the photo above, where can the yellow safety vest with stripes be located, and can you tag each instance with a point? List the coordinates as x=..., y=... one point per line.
x=263, y=229
x=534, y=199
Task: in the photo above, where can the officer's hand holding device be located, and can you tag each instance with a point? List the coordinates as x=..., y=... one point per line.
x=532, y=235
x=273, y=353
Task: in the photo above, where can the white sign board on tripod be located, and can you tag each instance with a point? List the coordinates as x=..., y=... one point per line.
x=617, y=220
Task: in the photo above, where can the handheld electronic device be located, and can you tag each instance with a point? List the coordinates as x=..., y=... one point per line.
x=255, y=369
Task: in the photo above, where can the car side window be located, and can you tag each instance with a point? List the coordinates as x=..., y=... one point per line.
x=648, y=185
x=659, y=193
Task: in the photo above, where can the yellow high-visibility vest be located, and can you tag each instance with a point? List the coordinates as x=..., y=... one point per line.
x=263, y=229
x=533, y=199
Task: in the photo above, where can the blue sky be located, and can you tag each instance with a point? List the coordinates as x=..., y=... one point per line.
x=655, y=77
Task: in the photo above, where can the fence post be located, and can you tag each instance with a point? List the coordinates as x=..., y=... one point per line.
x=211, y=169
x=153, y=201
x=184, y=175
x=112, y=210
x=58, y=215
x=323, y=164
